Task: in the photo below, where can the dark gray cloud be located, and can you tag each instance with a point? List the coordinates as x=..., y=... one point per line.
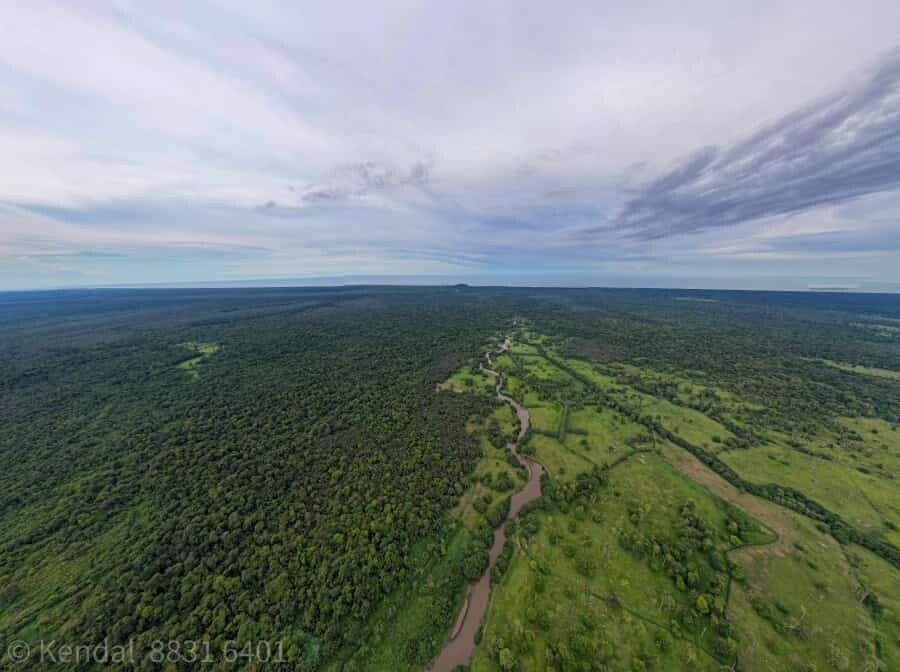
x=840, y=147
x=362, y=178
x=346, y=183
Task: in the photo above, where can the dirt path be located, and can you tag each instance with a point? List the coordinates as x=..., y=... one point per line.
x=461, y=645
x=771, y=515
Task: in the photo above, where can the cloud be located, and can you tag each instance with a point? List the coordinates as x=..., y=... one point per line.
x=301, y=137
x=360, y=179
x=841, y=147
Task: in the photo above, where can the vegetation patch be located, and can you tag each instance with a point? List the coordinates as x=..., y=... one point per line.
x=201, y=352
x=878, y=589
x=611, y=574
x=471, y=379
x=865, y=500
x=866, y=370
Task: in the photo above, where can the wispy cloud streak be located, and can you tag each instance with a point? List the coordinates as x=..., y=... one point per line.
x=838, y=148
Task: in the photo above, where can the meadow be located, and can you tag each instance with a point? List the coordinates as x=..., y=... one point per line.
x=777, y=589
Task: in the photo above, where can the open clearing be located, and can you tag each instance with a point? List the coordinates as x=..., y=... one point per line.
x=573, y=556
x=203, y=350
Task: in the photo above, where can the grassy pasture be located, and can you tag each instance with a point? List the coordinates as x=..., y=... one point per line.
x=544, y=370
x=549, y=604
x=688, y=423
x=519, y=348
x=799, y=608
x=863, y=370
x=489, y=468
x=601, y=434
x=871, y=443
x=865, y=500
x=519, y=390
x=470, y=380
x=782, y=599
x=883, y=581
x=558, y=460
x=692, y=425
x=503, y=363
x=588, y=371
x=203, y=351
x=546, y=418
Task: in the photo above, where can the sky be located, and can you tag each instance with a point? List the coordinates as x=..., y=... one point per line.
x=649, y=143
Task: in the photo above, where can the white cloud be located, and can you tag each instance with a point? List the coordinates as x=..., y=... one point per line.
x=534, y=121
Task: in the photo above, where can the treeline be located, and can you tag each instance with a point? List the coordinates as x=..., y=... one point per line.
x=785, y=496
x=766, y=351
x=792, y=499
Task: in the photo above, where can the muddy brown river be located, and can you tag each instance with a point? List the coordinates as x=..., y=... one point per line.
x=461, y=645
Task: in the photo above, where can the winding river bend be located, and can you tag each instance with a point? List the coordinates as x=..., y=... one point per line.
x=461, y=646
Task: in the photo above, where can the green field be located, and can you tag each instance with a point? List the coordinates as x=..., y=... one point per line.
x=494, y=476
x=800, y=607
x=879, y=590
x=559, y=461
x=526, y=349
x=601, y=434
x=866, y=370
x=572, y=591
x=546, y=418
x=471, y=380
x=203, y=351
x=866, y=500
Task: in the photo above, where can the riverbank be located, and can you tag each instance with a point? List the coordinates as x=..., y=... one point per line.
x=461, y=646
